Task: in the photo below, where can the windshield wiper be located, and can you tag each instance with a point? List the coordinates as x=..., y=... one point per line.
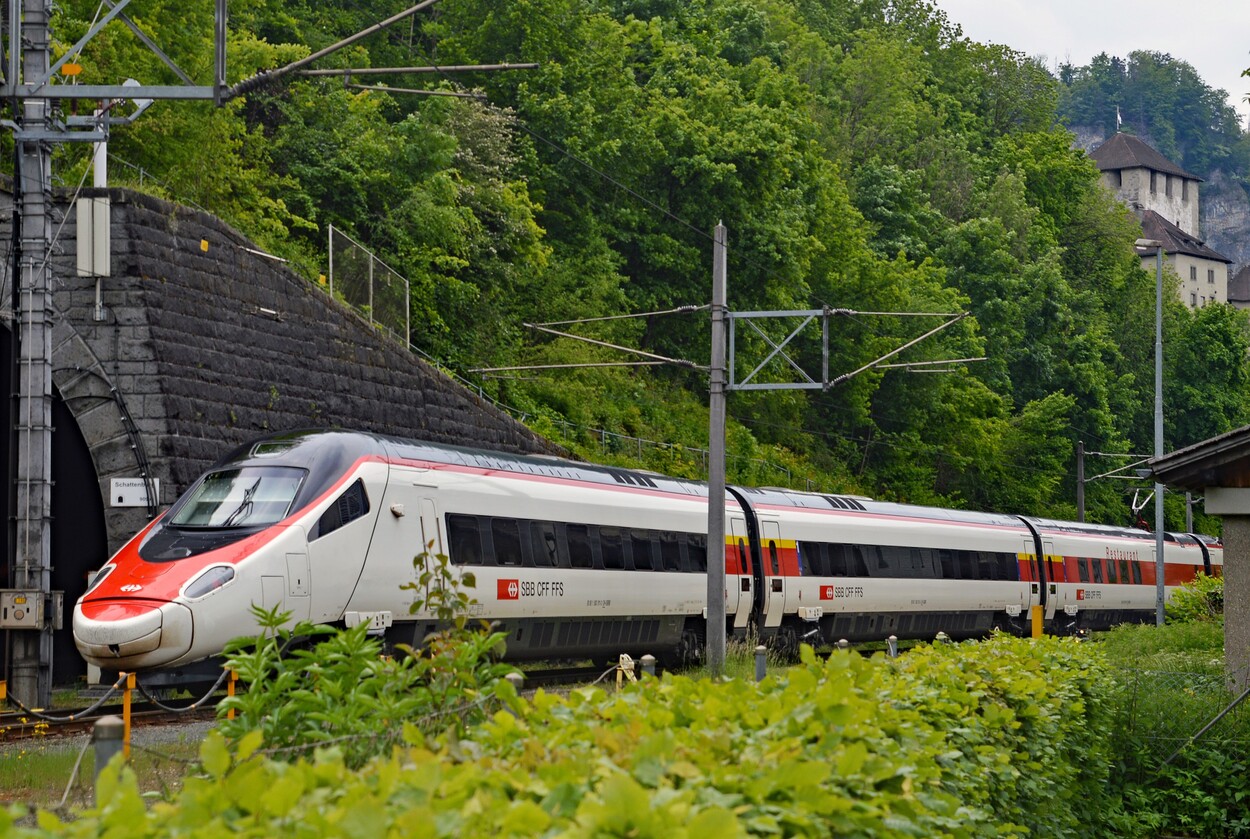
x=244, y=507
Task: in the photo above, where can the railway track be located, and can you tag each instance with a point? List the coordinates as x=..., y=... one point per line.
x=27, y=724
x=16, y=726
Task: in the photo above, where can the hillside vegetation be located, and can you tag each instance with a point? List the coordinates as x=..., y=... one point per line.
x=863, y=156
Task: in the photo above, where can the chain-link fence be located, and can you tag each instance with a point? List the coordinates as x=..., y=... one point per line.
x=368, y=285
x=1165, y=713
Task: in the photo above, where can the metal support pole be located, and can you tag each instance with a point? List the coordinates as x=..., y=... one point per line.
x=219, y=51
x=1160, y=567
x=1080, y=480
x=127, y=695
x=31, y=560
x=716, y=463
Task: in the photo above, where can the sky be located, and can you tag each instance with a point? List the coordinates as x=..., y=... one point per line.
x=1213, y=36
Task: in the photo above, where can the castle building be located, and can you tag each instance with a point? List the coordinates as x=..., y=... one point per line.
x=1165, y=198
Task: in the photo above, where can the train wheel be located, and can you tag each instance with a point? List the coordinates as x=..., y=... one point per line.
x=690, y=648
x=786, y=643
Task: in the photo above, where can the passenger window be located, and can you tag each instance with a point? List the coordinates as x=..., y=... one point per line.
x=1110, y=570
x=611, y=548
x=883, y=564
x=670, y=551
x=1124, y=570
x=578, y=537
x=1136, y=566
x=859, y=565
x=351, y=505
x=833, y=560
x=543, y=545
x=464, y=540
x=506, y=536
x=641, y=544
x=921, y=562
x=1096, y=565
x=1082, y=567
x=696, y=552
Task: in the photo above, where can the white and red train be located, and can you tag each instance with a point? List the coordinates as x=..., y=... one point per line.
x=578, y=560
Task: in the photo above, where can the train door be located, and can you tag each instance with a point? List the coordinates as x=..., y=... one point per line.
x=752, y=581
x=397, y=550
x=1052, y=574
x=433, y=541
x=775, y=592
x=338, y=544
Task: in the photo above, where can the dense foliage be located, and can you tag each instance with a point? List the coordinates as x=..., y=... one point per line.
x=1180, y=738
x=863, y=155
x=1199, y=601
x=314, y=685
x=1163, y=99
x=1002, y=738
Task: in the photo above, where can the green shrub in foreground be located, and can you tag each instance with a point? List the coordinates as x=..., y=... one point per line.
x=1201, y=600
x=993, y=739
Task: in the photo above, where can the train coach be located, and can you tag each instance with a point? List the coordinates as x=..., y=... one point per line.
x=582, y=561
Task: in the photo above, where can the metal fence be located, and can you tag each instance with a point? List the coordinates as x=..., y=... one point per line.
x=368, y=285
x=1167, y=713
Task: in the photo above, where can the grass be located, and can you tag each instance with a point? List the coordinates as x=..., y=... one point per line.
x=37, y=773
x=1177, y=648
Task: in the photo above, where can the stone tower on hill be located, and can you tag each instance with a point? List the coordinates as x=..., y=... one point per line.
x=1165, y=199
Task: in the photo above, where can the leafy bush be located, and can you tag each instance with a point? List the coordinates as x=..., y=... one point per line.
x=342, y=689
x=1200, y=600
x=996, y=739
x=1170, y=684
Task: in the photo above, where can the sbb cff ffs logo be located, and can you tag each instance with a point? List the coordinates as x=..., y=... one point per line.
x=517, y=589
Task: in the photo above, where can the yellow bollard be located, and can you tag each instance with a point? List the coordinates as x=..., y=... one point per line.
x=1037, y=621
x=234, y=677
x=130, y=686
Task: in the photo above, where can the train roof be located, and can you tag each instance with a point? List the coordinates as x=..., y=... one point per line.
x=307, y=444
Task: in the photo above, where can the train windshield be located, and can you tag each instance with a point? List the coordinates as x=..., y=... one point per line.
x=243, y=497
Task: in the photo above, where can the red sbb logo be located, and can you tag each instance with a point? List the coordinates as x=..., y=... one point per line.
x=1080, y=594
x=826, y=592
x=509, y=590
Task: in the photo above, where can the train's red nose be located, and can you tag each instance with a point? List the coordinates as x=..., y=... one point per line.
x=131, y=634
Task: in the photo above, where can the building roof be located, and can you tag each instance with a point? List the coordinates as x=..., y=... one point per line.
x=1175, y=240
x=1239, y=286
x=1124, y=151
x=1219, y=461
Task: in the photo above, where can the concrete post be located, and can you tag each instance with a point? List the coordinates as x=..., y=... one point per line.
x=761, y=662
x=1237, y=593
x=648, y=664
x=108, y=735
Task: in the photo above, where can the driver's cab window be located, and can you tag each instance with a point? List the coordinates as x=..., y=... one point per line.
x=351, y=505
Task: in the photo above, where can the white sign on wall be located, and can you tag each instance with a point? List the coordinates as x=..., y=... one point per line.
x=132, y=492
